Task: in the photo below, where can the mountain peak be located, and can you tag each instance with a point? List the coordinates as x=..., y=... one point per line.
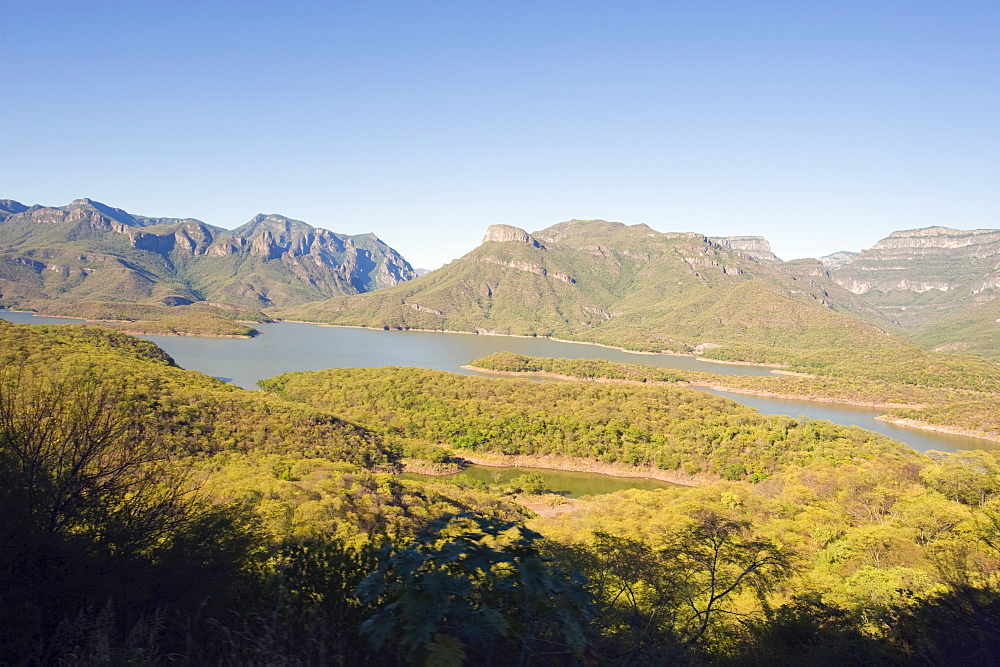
x=11, y=206
x=507, y=233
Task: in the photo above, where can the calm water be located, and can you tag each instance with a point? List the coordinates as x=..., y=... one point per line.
x=288, y=346
x=564, y=482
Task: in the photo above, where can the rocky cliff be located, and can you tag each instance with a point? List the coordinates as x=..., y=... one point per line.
x=90, y=250
x=938, y=283
x=922, y=260
x=755, y=247
x=838, y=259
x=507, y=233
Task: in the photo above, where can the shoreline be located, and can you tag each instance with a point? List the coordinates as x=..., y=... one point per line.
x=189, y=335
x=662, y=353
x=568, y=464
x=927, y=426
x=130, y=332
x=808, y=399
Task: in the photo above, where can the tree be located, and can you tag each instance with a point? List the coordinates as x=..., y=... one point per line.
x=658, y=600
x=469, y=587
x=93, y=516
x=713, y=560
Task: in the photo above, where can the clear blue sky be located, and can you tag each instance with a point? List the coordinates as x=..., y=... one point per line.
x=820, y=125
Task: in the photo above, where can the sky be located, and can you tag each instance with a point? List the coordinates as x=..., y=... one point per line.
x=822, y=126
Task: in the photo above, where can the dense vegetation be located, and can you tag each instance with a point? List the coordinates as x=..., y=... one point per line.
x=157, y=515
x=152, y=511
x=196, y=319
x=971, y=404
x=970, y=330
x=579, y=369
x=664, y=427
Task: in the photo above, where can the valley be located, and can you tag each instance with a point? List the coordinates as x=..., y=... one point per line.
x=299, y=482
x=774, y=402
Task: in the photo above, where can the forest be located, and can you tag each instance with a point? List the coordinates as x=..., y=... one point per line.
x=156, y=515
x=966, y=400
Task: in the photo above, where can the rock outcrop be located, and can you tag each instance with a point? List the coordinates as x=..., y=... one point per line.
x=755, y=247
x=838, y=259
x=932, y=281
x=508, y=233
x=921, y=260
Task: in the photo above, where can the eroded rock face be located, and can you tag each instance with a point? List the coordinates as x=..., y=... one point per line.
x=838, y=259
x=506, y=233
x=755, y=247
x=270, y=255
x=922, y=260
x=529, y=267
x=936, y=241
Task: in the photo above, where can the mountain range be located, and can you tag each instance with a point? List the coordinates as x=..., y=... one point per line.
x=728, y=298
x=587, y=280
x=90, y=251
x=630, y=286
x=940, y=285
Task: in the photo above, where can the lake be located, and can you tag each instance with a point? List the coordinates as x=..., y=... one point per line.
x=291, y=346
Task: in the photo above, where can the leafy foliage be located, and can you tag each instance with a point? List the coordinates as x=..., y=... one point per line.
x=153, y=514
x=665, y=427
x=467, y=588
x=948, y=397
x=92, y=513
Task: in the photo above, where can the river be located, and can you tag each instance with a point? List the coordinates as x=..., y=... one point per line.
x=291, y=346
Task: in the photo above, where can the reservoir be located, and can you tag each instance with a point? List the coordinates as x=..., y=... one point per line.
x=290, y=346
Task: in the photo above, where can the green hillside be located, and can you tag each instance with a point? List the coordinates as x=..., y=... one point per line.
x=974, y=329
x=156, y=515
x=632, y=287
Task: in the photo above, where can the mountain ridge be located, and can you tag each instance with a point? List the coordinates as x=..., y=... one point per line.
x=940, y=284
x=620, y=285
x=55, y=253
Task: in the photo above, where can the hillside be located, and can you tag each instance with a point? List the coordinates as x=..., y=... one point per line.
x=153, y=514
x=88, y=251
x=938, y=283
x=627, y=286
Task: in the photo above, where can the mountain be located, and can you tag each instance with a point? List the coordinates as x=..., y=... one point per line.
x=939, y=284
x=837, y=259
x=90, y=251
x=755, y=247
x=629, y=286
